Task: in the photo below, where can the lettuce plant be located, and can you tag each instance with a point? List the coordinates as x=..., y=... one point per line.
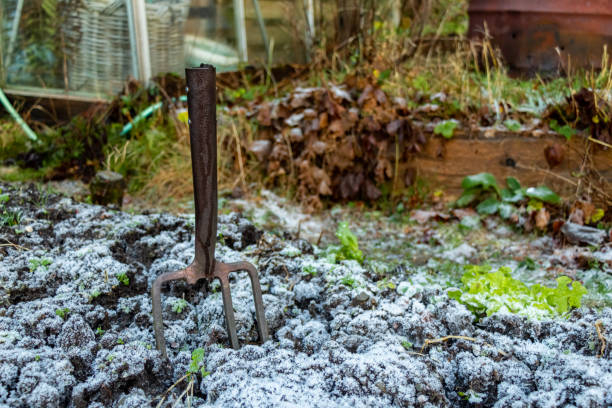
x=485, y=292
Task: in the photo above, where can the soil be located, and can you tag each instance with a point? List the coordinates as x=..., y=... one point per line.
x=74, y=332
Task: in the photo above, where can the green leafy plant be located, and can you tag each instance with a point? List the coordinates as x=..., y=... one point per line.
x=348, y=248
x=99, y=331
x=123, y=278
x=485, y=292
x=197, y=363
x=179, y=305
x=565, y=130
x=63, y=312
x=512, y=125
x=446, y=128
x=483, y=189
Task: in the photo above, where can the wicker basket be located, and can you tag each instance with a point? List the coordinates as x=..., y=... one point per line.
x=101, y=61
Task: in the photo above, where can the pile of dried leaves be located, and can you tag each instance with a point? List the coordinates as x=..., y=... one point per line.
x=336, y=141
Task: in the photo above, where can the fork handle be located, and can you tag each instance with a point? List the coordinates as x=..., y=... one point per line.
x=201, y=105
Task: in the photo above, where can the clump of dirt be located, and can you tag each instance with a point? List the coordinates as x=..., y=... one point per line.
x=81, y=333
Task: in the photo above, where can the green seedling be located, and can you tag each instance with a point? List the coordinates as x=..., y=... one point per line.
x=309, y=270
x=99, y=331
x=62, y=313
x=36, y=263
x=407, y=345
x=179, y=305
x=120, y=341
x=197, y=363
x=349, y=281
x=385, y=283
x=123, y=278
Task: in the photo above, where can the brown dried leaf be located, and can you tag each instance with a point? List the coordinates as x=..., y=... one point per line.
x=263, y=116
x=371, y=191
x=261, y=149
x=336, y=126
x=541, y=218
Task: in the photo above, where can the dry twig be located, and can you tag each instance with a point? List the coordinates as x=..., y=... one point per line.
x=445, y=338
x=602, y=338
x=16, y=246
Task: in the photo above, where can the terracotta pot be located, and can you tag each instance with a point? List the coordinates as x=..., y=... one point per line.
x=529, y=32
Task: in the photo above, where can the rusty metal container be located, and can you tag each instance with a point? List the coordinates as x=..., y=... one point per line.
x=528, y=32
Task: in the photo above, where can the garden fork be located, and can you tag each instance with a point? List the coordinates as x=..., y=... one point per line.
x=201, y=105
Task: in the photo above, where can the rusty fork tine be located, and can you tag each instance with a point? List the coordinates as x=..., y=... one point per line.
x=158, y=322
x=260, y=314
x=230, y=321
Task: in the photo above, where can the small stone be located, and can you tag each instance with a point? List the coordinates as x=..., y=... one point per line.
x=580, y=234
x=107, y=188
x=360, y=299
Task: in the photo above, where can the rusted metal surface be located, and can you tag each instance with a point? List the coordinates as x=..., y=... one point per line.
x=201, y=103
x=529, y=32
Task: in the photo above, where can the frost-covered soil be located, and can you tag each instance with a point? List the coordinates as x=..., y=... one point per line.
x=336, y=331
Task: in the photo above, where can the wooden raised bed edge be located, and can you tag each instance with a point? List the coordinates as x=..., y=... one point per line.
x=444, y=163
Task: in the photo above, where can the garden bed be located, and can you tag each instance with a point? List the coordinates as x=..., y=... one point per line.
x=76, y=325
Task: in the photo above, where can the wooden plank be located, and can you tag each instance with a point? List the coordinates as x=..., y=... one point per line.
x=444, y=163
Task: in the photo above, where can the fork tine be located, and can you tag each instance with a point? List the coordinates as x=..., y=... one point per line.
x=158, y=322
x=228, y=307
x=260, y=314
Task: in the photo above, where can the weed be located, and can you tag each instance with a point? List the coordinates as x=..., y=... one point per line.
x=512, y=125
x=483, y=188
x=8, y=217
x=565, y=130
x=348, y=248
x=110, y=357
x=385, y=283
x=63, y=312
x=123, y=278
x=407, y=345
x=94, y=294
x=37, y=358
x=36, y=263
x=348, y=280
x=120, y=341
x=197, y=363
x=179, y=305
x=446, y=128
x=195, y=366
x=528, y=264
x=99, y=331
x=309, y=270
